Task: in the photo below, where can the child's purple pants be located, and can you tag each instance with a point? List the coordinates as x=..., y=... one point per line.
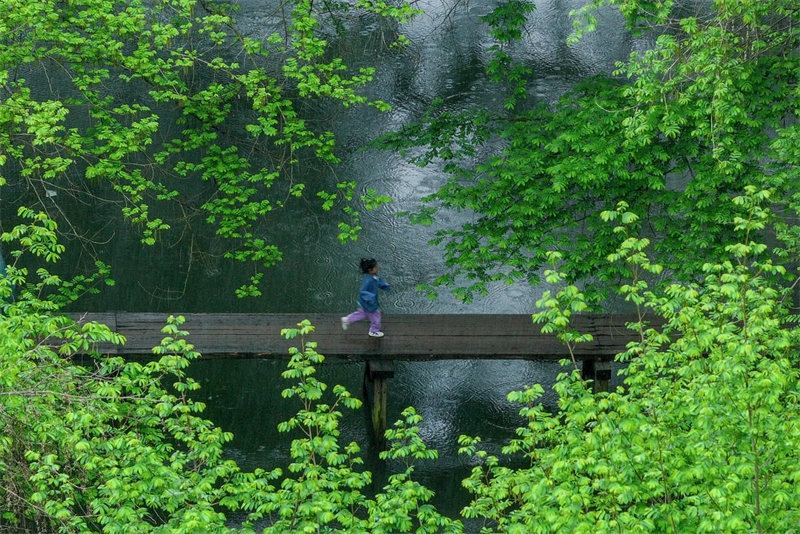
x=373, y=316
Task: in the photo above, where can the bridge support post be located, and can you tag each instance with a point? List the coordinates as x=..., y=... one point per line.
x=376, y=376
x=598, y=371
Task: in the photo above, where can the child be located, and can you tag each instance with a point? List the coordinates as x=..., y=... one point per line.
x=368, y=306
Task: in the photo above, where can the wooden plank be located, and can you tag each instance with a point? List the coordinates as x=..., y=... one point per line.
x=430, y=336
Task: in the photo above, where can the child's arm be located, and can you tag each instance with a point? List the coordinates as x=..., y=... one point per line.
x=383, y=284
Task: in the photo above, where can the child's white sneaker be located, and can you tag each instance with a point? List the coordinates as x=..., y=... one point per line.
x=345, y=323
x=375, y=334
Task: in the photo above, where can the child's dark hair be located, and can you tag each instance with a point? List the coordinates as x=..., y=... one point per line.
x=367, y=264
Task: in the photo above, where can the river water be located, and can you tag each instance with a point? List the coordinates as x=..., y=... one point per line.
x=318, y=275
x=446, y=59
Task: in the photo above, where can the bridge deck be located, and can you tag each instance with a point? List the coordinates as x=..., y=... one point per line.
x=408, y=337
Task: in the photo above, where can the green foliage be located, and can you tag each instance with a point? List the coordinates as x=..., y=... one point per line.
x=676, y=132
x=346, y=191
x=323, y=490
x=323, y=486
x=506, y=23
x=94, y=443
x=39, y=238
x=91, y=442
x=404, y=506
x=103, y=446
x=167, y=103
x=559, y=309
x=701, y=438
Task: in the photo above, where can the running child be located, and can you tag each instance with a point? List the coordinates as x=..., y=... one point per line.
x=368, y=305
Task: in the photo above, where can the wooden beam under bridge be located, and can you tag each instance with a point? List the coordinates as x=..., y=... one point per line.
x=408, y=337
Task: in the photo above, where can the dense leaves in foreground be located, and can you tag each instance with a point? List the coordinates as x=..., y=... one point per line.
x=702, y=437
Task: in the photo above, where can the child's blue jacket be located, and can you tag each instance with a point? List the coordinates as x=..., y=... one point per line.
x=368, y=294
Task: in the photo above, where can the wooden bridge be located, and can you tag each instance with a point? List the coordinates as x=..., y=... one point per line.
x=408, y=337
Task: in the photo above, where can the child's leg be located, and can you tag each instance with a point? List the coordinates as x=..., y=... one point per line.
x=357, y=315
x=374, y=320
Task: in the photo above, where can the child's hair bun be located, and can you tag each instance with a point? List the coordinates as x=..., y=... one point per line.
x=367, y=264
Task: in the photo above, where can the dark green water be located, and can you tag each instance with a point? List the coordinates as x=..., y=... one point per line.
x=454, y=397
